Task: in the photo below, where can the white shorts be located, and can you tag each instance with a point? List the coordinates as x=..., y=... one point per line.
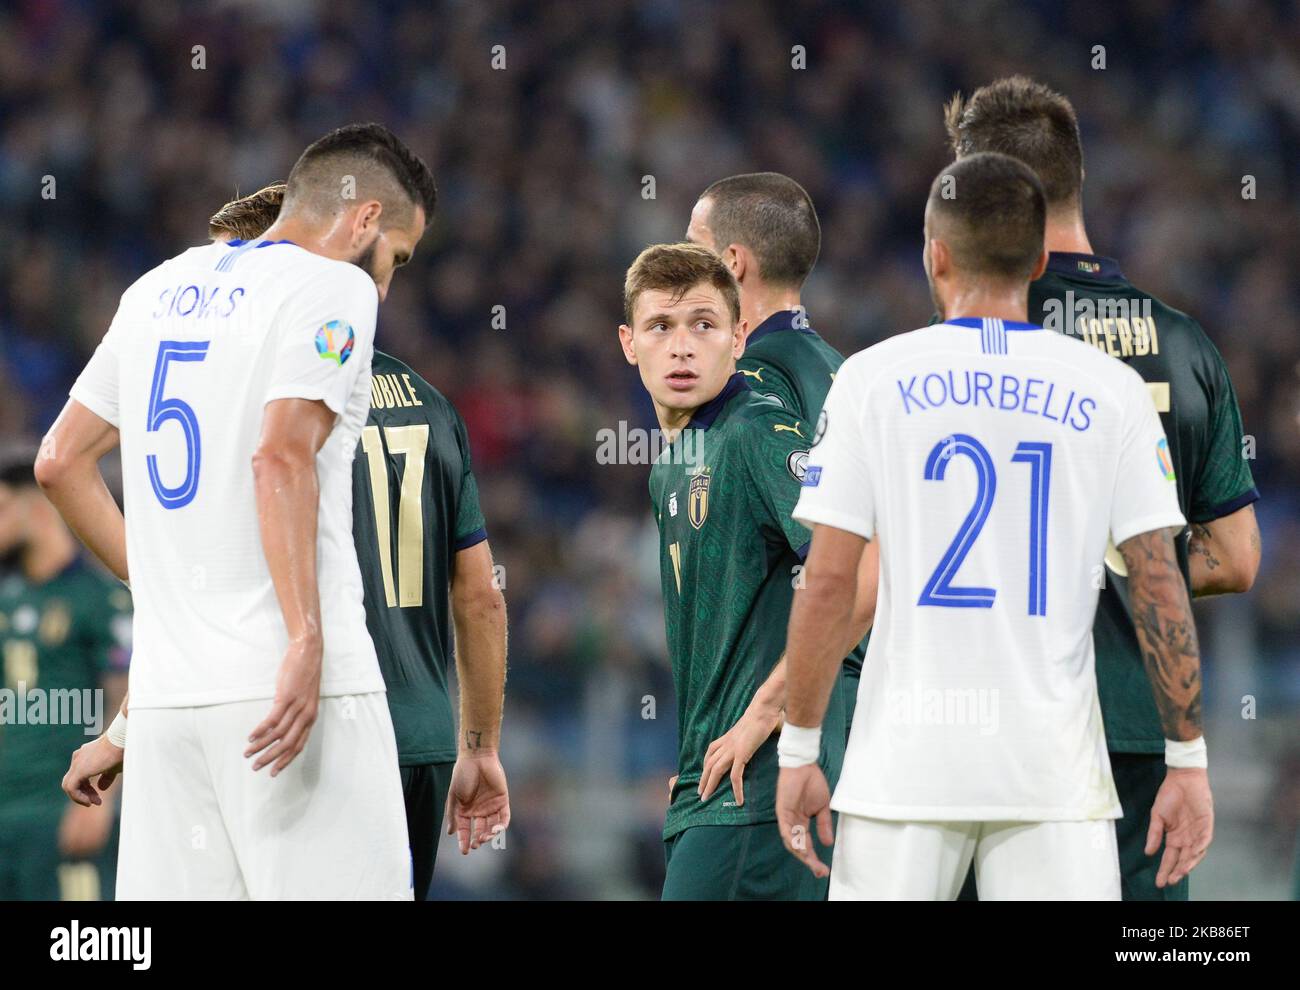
x=1014, y=861
x=199, y=824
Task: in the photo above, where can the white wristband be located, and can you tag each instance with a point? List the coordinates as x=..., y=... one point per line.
x=798, y=746
x=1182, y=755
x=117, y=731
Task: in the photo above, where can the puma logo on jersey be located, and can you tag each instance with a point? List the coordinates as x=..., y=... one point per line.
x=756, y=375
x=778, y=427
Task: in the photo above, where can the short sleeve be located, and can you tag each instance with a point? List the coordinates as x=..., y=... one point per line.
x=1224, y=483
x=770, y=381
x=96, y=387
x=471, y=528
x=775, y=449
x=325, y=333
x=1146, y=491
x=836, y=487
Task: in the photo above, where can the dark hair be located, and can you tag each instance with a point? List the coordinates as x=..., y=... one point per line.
x=773, y=216
x=249, y=216
x=374, y=156
x=1026, y=120
x=678, y=268
x=990, y=211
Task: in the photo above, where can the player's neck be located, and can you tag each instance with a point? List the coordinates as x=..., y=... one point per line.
x=1065, y=232
x=672, y=421
x=47, y=555
x=983, y=301
x=760, y=302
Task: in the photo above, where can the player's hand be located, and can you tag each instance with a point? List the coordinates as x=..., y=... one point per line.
x=732, y=751
x=1183, y=814
x=478, y=803
x=803, y=794
x=293, y=713
x=84, y=831
x=672, y=784
x=96, y=759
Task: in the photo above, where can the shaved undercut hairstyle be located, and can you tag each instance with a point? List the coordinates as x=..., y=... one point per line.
x=1026, y=120
x=991, y=212
x=360, y=162
x=249, y=216
x=773, y=216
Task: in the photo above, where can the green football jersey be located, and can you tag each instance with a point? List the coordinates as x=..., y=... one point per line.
x=786, y=360
x=723, y=493
x=1088, y=297
x=58, y=640
x=414, y=507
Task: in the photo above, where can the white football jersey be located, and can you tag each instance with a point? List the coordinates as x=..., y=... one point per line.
x=992, y=461
x=197, y=349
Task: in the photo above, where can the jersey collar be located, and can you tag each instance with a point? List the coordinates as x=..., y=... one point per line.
x=783, y=319
x=1084, y=265
x=239, y=242
x=977, y=322
x=707, y=413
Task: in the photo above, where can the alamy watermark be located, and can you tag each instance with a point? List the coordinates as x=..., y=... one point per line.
x=634, y=445
x=57, y=706
x=945, y=706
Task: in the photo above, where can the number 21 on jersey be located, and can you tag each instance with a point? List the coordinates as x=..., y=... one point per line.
x=939, y=590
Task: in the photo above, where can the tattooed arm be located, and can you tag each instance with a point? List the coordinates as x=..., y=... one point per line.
x=478, y=804
x=1166, y=633
x=1224, y=553
x=1183, y=812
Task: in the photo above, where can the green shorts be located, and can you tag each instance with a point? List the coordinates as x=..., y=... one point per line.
x=738, y=863
x=1138, y=777
x=425, y=790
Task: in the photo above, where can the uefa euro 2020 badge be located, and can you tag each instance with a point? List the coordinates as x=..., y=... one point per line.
x=334, y=341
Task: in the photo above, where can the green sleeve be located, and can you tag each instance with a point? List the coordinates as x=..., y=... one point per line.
x=471, y=528
x=1224, y=483
x=771, y=381
x=776, y=452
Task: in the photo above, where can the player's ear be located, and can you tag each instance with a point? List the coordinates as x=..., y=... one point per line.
x=940, y=258
x=1040, y=267
x=365, y=221
x=738, y=335
x=737, y=259
x=625, y=338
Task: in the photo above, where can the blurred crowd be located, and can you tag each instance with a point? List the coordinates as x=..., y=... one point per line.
x=587, y=134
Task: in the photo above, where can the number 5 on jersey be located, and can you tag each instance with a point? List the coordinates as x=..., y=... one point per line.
x=412, y=442
x=161, y=410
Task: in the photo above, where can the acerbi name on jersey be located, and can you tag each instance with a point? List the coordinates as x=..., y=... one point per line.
x=1122, y=328
x=1004, y=392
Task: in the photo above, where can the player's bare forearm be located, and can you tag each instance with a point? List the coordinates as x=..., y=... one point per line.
x=67, y=469
x=288, y=502
x=1223, y=555
x=770, y=696
x=822, y=624
x=479, y=613
x=1162, y=616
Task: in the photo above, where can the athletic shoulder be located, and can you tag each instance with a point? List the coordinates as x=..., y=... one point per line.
x=757, y=415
